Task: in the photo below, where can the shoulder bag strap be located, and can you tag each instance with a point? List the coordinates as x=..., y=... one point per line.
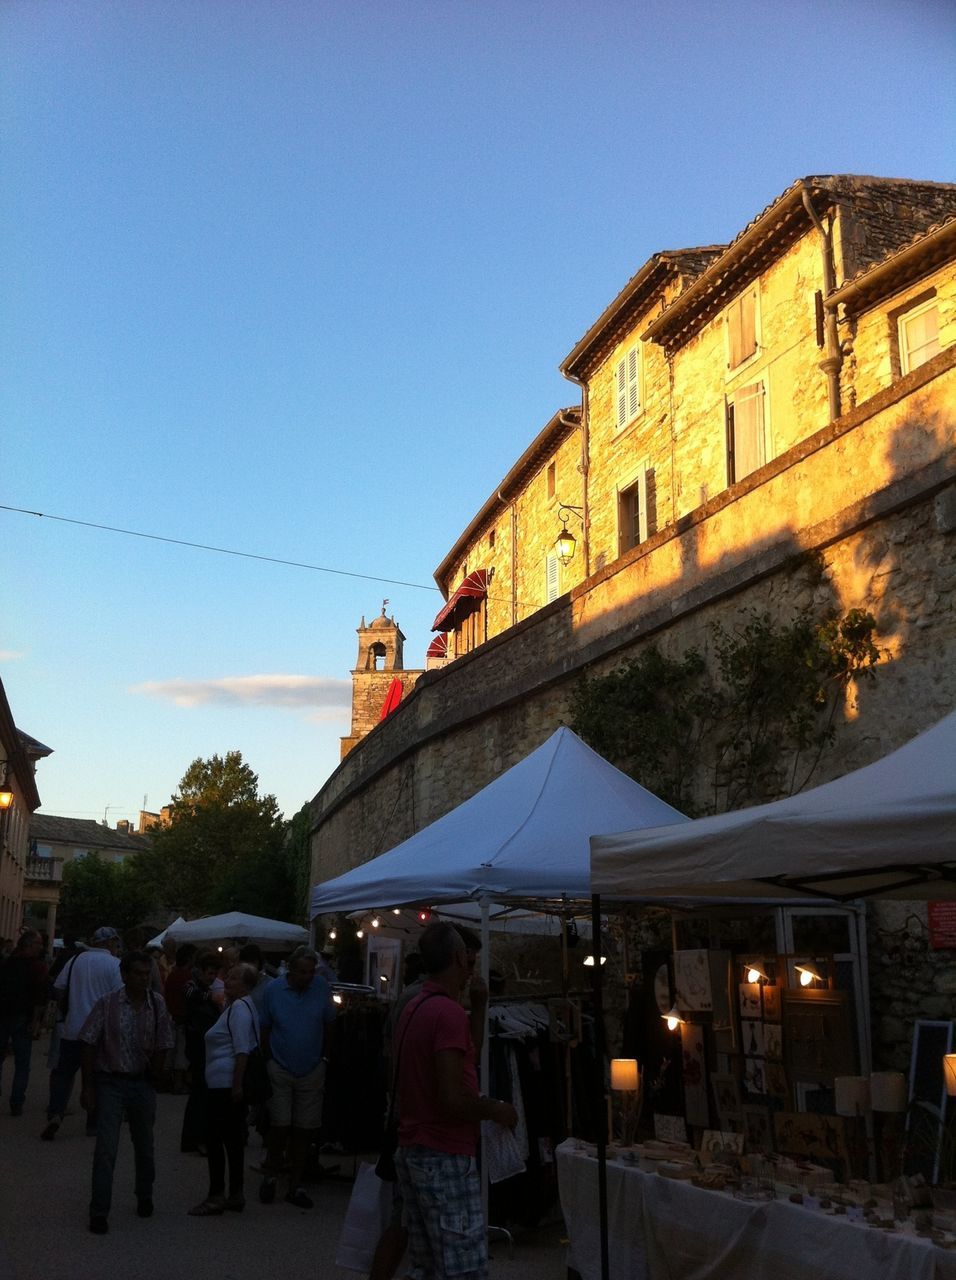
x=398, y=1052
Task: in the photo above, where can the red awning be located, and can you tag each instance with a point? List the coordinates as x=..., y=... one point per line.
x=392, y=698
x=474, y=587
x=438, y=647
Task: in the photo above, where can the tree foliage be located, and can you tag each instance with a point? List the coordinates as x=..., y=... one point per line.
x=96, y=892
x=748, y=726
x=223, y=849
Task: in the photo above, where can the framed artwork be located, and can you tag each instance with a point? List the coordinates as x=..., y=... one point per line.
x=777, y=1084
x=751, y=1038
x=692, y=980
x=772, y=1040
x=771, y=1003
x=696, y=1109
x=564, y=1021
x=818, y=1035
x=726, y=1091
x=758, y=1128
x=749, y=999
x=669, y=1128
x=755, y=1075
x=720, y=1144
x=821, y=1139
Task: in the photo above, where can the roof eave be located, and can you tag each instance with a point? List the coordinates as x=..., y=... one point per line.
x=637, y=283
x=873, y=284
x=561, y=425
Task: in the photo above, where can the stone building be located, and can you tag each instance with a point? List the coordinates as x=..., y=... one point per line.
x=19, y=754
x=746, y=411
x=379, y=679
x=54, y=842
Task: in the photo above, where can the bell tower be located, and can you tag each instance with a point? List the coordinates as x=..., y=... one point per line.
x=379, y=665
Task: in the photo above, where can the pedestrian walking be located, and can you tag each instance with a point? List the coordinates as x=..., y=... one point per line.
x=124, y=1042
x=23, y=998
x=79, y=984
x=228, y=1046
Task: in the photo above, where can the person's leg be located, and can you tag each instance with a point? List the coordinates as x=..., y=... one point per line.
x=22, y=1049
x=217, y=1101
x=280, y=1121
x=193, y=1136
x=419, y=1246
x=109, y=1117
x=140, y=1097
x=61, y=1084
x=448, y=1198
x=234, y=1138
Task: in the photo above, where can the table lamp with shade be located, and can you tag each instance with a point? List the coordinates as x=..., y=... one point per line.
x=626, y=1080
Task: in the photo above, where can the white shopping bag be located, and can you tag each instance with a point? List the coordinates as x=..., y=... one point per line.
x=368, y=1214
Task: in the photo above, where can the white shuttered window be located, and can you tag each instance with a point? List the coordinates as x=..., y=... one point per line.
x=552, y=578
x=628, y=386
x=919, y=336
x=746, y=432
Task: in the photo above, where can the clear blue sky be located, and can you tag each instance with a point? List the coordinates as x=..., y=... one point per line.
x=295, y=279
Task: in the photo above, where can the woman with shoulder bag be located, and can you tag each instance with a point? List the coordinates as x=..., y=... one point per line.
x=229, y=1044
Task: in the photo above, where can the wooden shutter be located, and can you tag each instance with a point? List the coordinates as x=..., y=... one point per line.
x=742, y=329
x=552, y=582
x=628, y=386
x=745, y=431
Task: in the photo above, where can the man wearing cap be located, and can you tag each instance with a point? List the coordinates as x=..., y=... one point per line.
x=79, y=984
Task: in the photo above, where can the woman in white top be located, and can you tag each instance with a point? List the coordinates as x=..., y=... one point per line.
x=228, y=1045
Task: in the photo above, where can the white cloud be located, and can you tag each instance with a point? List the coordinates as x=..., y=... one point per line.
x=10, y=655
x=327, y=699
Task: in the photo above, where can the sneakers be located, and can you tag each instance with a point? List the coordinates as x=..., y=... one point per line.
x=267, y=1191
x=49, y=1133
x=98, y=1224
x=144, y=1207
x=299, y=1199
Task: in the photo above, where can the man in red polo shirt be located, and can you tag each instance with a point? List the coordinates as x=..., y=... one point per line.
x=440, y=1110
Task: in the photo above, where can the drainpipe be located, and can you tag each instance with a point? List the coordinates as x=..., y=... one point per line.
x=584, y=466
x=514, y=555
x=834, y=357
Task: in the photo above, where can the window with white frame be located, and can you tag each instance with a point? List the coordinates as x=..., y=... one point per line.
x=742, y=329
x=746, y=431
x=918, y=333
x=552, y=578
x=628, y=386
x=632, y=512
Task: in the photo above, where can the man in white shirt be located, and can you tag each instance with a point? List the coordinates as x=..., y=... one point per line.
x=79, y=984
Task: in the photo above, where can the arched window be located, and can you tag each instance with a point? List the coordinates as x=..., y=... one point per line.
x=376, y=657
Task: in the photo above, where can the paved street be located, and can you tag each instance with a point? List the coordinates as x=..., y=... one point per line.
x=44, y=1192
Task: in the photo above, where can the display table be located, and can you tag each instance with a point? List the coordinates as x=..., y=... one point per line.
x=663, y=1229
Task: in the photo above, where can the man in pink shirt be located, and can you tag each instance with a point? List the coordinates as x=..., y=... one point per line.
x=440, y=1110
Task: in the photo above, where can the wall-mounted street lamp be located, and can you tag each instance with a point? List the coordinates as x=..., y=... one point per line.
x=566, y=542
x=6, y=791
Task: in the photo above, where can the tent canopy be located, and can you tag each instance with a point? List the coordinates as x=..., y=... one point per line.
x=273, y=934
x=523, y=837
x=887, y=830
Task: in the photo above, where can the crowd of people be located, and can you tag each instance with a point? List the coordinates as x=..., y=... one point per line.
x=217, y=1025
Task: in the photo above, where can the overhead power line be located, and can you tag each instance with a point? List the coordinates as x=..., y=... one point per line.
x=224, y=551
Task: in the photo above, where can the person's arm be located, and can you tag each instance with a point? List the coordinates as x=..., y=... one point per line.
x=238, y=1074
x=458, y=1103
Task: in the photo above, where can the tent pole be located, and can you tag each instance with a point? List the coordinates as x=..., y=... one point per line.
x=600, y=1093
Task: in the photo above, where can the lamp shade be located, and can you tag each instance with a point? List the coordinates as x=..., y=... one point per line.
x=888, y=1091
x=624, y=1074
x=852, y=1095
x=949, y=1073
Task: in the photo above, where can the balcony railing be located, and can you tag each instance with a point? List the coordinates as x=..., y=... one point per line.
x=44, y=868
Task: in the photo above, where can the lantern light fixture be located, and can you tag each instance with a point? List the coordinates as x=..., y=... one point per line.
x=673, y=1018
x=565, y=543
x=755, y=973
x=6, y=791
x=808, y=975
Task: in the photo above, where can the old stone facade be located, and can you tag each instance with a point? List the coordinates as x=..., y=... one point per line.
x=791, y=399
x=19, y=754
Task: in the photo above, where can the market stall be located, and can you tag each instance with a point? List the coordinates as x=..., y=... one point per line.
x=237, y=926
x=885, y=831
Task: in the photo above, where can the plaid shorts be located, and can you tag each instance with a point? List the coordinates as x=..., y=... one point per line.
x=446, y=1228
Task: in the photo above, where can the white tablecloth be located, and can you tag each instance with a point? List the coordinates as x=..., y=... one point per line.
x=661, y=1229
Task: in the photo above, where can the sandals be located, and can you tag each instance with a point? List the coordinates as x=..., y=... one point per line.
x=214, y=1207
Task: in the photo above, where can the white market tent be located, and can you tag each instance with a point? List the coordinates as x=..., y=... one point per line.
x=161, y=937
x=522, y=838
x=236, y=925
x=886, y=830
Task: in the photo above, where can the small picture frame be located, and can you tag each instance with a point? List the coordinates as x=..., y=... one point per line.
x=752, y=1038
x=720, y=1144
x=755, y=1075
x=771, y=1003
x=749, y=999
x=773, y=1040
x=726, y=1092
x=777, y=1084
x=758, y=1129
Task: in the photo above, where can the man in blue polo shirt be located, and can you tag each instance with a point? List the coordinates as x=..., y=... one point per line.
x=295, y=1009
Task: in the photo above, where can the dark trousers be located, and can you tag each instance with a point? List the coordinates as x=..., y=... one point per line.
x=14, y=1030
x=116, y=1096
x=225, y=1139
x=61, y=1082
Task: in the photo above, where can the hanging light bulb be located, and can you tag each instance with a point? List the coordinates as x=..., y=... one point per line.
x=807, y=975
x=360, y=933
x=672, y=1018
x=396, y=911
x=332, y=935
x=756, y=975
x=588, y=961
x=375, y=922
